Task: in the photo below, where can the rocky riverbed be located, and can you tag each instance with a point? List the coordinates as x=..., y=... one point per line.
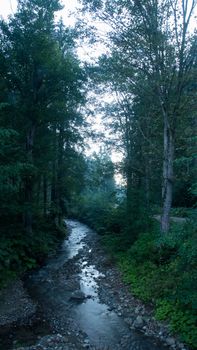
x=76, y=301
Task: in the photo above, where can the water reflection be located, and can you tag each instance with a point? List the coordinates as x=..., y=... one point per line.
x=103, y=326
x=75, y=241
x=88, y=277
x=70, y=247
x=55, y=290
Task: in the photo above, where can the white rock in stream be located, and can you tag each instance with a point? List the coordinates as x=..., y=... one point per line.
x=170, y=341
x=78, y=295
x=138, y=323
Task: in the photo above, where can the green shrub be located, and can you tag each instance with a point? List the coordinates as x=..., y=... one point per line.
x=19, y=252
x=113, y=243
x=159, y=269
x=181, y=321
x=166, y=275
x=144, y=248
x=138, y=276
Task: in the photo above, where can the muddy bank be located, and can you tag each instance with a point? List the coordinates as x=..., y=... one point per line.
x=117, y=295
x=79, y=302
x=15, y=304
x=17, y=313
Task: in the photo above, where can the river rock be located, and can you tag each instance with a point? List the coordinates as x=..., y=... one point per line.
x=129, y=321
x=78, y=295
x=138, y=323
x=137, y=309
x=170, y=341
x=15, y=305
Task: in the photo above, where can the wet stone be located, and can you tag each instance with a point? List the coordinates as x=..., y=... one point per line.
x=139, y=322
x=78, y=295
x=170, y=341
x=79, y=302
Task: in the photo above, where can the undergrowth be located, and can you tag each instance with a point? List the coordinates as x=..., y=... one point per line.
x=162, y=270
x=19, y=252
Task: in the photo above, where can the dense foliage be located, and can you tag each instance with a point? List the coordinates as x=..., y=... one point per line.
x=41, y=90
x=150, y=69
x=160, y=270
x=164, y=273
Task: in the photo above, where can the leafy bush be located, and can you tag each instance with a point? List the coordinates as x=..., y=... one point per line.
x=19, y=252
x=144, y=248
x=181, y=321
x=163, y=270
x=115, y=243
x=183, y=212
x=139, y=277
x=160, y=269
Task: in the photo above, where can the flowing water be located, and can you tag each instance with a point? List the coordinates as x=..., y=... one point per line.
x=66, y=289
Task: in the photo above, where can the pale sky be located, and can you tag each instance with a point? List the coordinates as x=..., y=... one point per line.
x=85, y=52
x=9, y=6
x=6, y=7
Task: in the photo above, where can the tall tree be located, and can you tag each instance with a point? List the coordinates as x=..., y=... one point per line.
x=43, y=81
x=151, y=39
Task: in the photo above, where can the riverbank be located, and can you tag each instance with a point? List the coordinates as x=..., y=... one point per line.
x=80, y=287
x=16, y=306
x=117, y=295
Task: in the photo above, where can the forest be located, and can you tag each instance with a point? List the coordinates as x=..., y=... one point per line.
x=143, y=205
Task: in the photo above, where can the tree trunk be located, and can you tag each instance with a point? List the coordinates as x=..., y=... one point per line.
x=45, y=195
x=147, y=182
x=60, y=173
x=38, y=190
x=54, y=189
x=28, y=191
x=167, y=175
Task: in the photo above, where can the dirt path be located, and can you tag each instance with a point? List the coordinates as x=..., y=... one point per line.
x=175, y=219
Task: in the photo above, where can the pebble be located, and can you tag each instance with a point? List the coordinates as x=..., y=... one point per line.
x=117, y=296
x=170, y=341
x=138, y=323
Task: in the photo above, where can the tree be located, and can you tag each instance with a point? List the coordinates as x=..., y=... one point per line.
x=46, y=82
x=96, y=199
x=42, y=90
x=151, y=40
x=27, y=43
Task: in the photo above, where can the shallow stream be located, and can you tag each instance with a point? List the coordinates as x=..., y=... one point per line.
x=66, y=291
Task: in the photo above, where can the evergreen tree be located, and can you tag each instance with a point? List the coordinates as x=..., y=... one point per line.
x=41, y=93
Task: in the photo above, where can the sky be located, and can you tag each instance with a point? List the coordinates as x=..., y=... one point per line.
x=85, y=52
x=9, y=6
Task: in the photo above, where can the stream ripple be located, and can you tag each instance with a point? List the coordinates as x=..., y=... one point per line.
x=68, y=291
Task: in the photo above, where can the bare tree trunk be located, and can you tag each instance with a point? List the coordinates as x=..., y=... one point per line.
x=54, y=187
x=167, y=175
x=147, y=181
x=45, y=195
x=54, y=191
x=28, y=191
x=60, y=174
x=38, y=190
x=129, y=191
